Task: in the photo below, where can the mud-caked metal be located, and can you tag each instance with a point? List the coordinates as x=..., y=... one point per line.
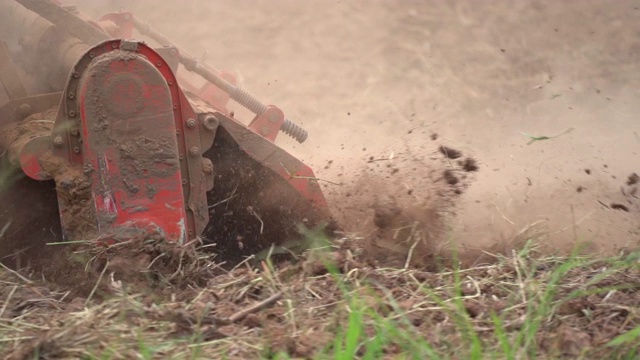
x=117, y=151
x=124, y=147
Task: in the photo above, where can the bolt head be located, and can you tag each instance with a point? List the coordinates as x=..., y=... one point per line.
x=191, y=123
x=129, y=45
x=194, y=151
x=273, y=118
x=57, y=142
x=207, y=166
x=25, y=109
x=210, y=123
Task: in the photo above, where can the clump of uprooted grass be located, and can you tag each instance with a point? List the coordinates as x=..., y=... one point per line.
x=330, y=304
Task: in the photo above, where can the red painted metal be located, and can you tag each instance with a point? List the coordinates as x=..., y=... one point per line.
x=132, y=148
x=299, y=175
x=125, y=124
x=268, y=123
x=212, y=94
x=128, y=127
x=126, y=130
x=122, y=24
x=127, y=117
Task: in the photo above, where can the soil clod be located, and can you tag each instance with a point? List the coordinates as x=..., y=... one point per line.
x=469, y=164
x=617, y=206
x=450, y=177
x=449, y=152
x=385, y=211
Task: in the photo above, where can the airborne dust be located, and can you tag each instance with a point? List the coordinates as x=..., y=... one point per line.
x=433, y=108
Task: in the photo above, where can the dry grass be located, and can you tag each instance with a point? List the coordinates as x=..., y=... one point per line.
x=333, y=304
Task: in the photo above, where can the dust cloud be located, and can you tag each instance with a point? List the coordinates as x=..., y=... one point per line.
x=397, y=80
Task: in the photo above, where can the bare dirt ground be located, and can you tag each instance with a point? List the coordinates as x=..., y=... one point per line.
x=538, y=98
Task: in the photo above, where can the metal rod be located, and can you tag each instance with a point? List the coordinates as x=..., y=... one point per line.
x=238, y=94
x=190, y=63
x=72, y=24
x=41, y=40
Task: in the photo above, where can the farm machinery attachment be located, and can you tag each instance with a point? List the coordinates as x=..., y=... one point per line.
x=104, y=138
